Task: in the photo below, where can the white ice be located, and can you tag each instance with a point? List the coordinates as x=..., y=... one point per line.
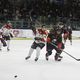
x=13, y=63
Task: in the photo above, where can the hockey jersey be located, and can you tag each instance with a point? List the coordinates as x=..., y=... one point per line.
x=6, y=30
x=40, y=36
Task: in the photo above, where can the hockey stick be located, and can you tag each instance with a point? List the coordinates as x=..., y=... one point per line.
x=30, y=15
x=66, y=52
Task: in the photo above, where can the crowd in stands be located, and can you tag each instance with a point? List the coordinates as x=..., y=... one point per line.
x=21, y=9
x=16, y=10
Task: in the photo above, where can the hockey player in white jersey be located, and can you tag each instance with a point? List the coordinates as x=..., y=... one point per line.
x=6, y=34
x=39, y=42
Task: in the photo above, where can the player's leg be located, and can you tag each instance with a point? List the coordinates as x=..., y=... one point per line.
x=49, y=52
x=65, y=36
x=30, y=53
x=3, y=42
x=70, y=38
x=7, y=38
x=49, y=49
x=0, y=46
x=8, y=45
x=58, y=56
x=33, y=46
x=8, y=42
x=38, y=49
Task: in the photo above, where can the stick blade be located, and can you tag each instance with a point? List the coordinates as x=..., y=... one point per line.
x=78, y=59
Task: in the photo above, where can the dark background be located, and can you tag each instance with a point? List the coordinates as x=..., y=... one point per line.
x=21, y=12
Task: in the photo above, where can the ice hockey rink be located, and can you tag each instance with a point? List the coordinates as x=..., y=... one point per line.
x=13, y=63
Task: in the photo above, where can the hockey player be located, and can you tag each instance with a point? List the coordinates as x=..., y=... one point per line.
x=7, y=34
x=39, y=41
x=70, y=34
x=67, y=34
x=54, y=41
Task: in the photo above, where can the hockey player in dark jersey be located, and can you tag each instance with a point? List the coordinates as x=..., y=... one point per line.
x=39, y=42
x=54, y=41
x=70, y=34
x=67, y=34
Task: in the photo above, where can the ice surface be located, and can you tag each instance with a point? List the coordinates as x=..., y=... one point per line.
x=13, y=63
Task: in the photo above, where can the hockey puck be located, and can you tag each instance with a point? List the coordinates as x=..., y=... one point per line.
x=15, y=76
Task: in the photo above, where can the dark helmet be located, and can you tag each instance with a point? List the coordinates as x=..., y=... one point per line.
x=43, y=26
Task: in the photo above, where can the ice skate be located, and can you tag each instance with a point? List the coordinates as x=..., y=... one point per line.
x=70, y=43
x=36, y=59
x=4, y=45
x=8, y=49
x=27, y=57
x=46, y=57
x=61, y=57
x=58, y=57
x=0, y=49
